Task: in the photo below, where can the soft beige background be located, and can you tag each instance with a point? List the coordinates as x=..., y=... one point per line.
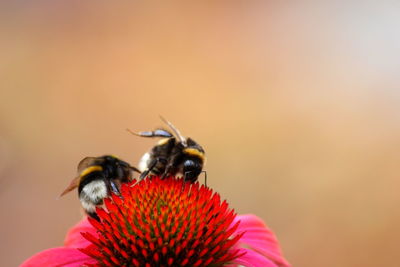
x=296, y=104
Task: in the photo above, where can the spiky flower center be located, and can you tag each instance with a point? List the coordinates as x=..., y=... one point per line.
x=164, y=222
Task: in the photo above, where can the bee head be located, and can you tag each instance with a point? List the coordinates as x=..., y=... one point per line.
x=116, y=168
x=192, y=168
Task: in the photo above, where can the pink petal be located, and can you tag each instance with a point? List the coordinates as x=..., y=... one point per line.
x=258, y=240
x=253, y=259
x=58, y=257
x=74, y=238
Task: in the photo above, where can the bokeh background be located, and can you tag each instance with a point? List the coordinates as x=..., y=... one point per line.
x=296, y=104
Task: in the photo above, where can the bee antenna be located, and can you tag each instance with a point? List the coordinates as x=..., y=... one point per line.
x=132, y=132
x=175, y=130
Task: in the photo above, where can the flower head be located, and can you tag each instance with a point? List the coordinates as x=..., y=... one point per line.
x=166, y=222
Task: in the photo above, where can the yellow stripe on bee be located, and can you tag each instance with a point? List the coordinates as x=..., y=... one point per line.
x=162, y=141
x=194, y=152
x=90, y=169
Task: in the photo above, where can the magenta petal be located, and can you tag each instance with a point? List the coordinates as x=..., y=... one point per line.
x=74, y=239
x=254, y=259
x=260, y=240
x=58, y=257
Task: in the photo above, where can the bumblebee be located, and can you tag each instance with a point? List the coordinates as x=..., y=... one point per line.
x=97, y=178
x=172, y=155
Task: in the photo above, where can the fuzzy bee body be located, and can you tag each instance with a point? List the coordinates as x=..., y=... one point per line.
x=97, y=178
x=158, y=156
x=172, y=155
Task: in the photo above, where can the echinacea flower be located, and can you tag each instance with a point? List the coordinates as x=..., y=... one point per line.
x=166, y=222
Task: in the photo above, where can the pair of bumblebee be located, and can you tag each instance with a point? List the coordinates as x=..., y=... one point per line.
x=174, y=154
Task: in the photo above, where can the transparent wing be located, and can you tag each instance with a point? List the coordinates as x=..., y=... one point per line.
x=74, y=184
x=86, y=162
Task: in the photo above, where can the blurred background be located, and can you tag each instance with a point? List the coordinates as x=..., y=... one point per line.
x=296, y=105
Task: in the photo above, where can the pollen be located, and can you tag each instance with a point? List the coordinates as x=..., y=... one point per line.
x=164, y=222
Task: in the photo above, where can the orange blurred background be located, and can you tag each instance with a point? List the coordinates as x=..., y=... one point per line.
x=296, y=104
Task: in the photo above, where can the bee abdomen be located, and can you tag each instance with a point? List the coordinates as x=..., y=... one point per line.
x=92, y=195
x=144, y=162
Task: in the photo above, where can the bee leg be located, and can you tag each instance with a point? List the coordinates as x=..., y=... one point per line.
x=152, y=165
x=94, y=215
x=184, y=176
x=168, y=171
x=163, y=175
x=205, y=177
x=144, y=174
x=114, y=188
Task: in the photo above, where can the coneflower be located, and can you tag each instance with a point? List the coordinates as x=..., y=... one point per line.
x=166, y=222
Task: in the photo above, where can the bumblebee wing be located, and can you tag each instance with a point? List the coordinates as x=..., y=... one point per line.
x=74, y=184
x=86, y=162
x=194, y=144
